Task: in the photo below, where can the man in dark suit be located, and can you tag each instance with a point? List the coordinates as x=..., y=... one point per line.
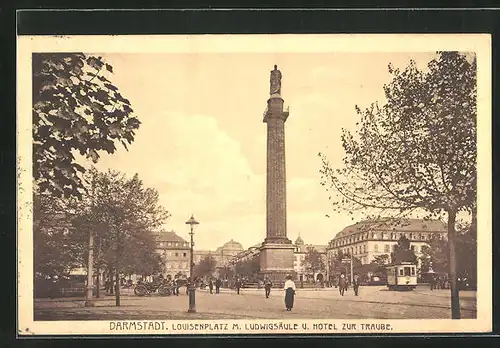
x=218, y=283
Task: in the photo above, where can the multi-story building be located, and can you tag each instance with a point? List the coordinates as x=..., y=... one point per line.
x=367, y=239
x=175, y=252
x=222, y=255
x=300, y=265
x=246, y=254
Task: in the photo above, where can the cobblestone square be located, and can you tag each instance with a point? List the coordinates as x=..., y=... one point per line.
x=372, y=303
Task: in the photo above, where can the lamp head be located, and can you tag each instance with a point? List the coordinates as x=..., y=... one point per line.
x=192, y=221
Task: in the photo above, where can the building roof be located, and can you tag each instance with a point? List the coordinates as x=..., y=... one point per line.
x=320, y=248
x=304, y=248
x=169, y=236
x=401, y=225
x=299, y=241
x=232, y=245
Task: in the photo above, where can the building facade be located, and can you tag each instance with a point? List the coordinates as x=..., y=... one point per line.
x=300, y=250
x=222, y=255
x=367, y=239
x=246, y=254
x=175, y=252
x=300, y=266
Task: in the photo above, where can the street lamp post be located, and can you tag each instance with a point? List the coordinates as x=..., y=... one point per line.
x=191, y=284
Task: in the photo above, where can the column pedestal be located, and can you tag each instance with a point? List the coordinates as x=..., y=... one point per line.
x=276, y=261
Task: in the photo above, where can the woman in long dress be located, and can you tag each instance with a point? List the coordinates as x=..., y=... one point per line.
x=289, y=293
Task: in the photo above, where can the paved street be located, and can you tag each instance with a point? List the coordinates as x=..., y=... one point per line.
x=373, y=302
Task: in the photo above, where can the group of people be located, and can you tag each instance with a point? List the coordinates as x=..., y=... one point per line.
x=217, y=283
x=439, y=282
x=343, y=284
x=289, y=287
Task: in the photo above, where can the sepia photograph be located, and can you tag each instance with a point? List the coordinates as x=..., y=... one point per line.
x=254, y=184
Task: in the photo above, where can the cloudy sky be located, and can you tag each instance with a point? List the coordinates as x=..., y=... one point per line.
x=202, y=142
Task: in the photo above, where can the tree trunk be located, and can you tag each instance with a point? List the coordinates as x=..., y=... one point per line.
x=98, y=283
x=111, y=283
x=117, y=298
x=455, y=299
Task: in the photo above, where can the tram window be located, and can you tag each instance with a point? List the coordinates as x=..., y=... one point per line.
x=407, y=271
x=413, y=271
x=400, y=271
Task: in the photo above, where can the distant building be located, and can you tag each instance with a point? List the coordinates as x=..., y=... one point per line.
x=300, y=251
x=367, y=239
x=222, y=255
x=300, y=265
x=175, y=252
x=245, y=255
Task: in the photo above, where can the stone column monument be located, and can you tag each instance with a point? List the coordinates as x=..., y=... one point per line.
x=276, y=254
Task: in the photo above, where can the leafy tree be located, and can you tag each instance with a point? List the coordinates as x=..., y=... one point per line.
x=339, y=266
x=226, y=272
x=248, y=268
x=314, y=260
x=124, y=216
x=335, y=264
x=403, y=252
x=467, y=254
x=57, y=247
x=205, y=267
x=76, y=108
x=436, y=252
x=415, y=153
x=142, y=257
x=381, y=260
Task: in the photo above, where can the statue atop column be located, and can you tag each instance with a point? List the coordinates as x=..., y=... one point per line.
x=275, y=81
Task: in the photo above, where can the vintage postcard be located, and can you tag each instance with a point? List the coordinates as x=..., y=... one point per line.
x=254, y=184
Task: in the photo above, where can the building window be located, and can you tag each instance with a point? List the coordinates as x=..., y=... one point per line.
x=176, y=254
x=387, y=248
x=376, y=247
x=184, y=254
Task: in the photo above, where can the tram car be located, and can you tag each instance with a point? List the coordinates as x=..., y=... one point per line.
x=402, y=277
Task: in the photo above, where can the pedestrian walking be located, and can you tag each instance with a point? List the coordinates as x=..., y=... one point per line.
x=238, y=285
x=289, y=293
x=267, y=285
x=342, y=284
x=211, y=285
x=218, y=283
x=176, y=285
x=433, y=282
x=107, y=286
x=355, y=284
